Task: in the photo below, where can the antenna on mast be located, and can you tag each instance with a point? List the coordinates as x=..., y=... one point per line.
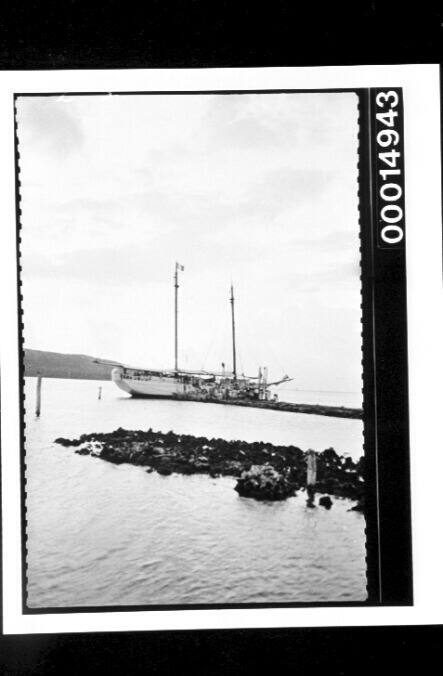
x=234, y=360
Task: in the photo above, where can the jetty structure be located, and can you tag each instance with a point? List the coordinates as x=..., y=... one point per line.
x=198, y=385
x=221, y=387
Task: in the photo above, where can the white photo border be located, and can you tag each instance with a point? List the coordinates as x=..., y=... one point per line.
x=422, y=153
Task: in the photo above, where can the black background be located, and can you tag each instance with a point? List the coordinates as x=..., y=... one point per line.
x=162, y=34
x=189, y=33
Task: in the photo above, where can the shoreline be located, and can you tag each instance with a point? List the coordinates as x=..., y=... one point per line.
x=283, y=468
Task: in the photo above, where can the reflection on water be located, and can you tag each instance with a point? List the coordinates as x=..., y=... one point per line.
x=100, y=534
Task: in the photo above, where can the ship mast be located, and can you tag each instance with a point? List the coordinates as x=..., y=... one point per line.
x=234, y=361
x=177, y=268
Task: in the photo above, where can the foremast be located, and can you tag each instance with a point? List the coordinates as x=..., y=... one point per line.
x=176, y=287
x=234, y=356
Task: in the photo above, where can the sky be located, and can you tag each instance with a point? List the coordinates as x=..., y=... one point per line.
x=255, y=189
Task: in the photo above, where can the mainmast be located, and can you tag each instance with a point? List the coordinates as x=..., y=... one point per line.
x=177, y=268
x=234, y=361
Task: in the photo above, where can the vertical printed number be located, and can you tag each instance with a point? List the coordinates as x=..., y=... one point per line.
x=383, y=97
x=389, y=172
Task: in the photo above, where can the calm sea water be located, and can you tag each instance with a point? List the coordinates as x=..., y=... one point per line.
x=101, y=534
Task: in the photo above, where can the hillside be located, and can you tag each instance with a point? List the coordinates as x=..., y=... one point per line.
x=57, y=365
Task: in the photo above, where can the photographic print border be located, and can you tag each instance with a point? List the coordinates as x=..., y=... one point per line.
x=385, y=394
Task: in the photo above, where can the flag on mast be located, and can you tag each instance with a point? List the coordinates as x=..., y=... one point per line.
x=179, y=267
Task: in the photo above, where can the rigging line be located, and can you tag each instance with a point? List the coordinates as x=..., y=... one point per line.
x=217, y=344
x=208, y=352
x=240, y=360
x=258, y=362
x=274, y=355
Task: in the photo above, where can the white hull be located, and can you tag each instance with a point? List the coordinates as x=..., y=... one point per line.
x=152, y=386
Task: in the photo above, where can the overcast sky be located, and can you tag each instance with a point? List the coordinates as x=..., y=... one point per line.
x=257, y=189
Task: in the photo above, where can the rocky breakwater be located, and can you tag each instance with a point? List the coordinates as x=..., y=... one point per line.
x=264, y=471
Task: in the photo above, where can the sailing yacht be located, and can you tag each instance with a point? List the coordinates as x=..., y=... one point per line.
x=199, y=384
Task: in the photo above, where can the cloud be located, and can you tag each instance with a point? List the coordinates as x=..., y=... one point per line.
x=245, y=133
x=49, y=124
x=100, y=266
x=282, y=122
x=260, y=189
x=287, y=185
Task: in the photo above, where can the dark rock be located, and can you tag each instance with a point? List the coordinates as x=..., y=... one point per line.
x=359, y=507
x=347, y=463
x=83, y=451
x=139, y=458
x=113, y=455
x=67, y=442
x=263, y=482
x=164, y=471
x=185, y=454
x=325, y=501
x=330, y=457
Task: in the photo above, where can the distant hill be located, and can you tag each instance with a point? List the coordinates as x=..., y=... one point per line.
x=57, y=365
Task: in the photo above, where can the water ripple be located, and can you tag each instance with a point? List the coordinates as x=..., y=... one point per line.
x=100, y=534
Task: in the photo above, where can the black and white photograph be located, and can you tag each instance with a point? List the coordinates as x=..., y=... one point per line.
x=192, y=349
x=219, y=349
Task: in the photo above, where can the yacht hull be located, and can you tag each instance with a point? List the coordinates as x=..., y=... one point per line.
x=150, y=386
